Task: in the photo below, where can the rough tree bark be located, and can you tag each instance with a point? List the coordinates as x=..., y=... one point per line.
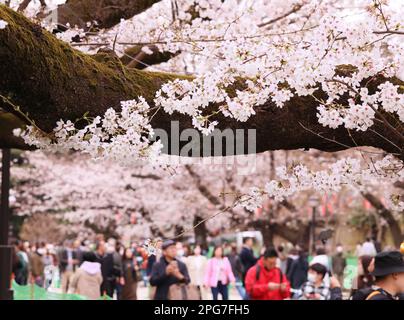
x=394, y=225
x=107, y=13
x=201, y=232
x=49, y=81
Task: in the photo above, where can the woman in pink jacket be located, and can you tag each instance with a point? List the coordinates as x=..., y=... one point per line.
x=219, y=274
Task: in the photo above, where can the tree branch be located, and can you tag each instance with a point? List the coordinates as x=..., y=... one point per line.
x=134, y=57
x=58, y=82
x=394, y=225
x=107, y=13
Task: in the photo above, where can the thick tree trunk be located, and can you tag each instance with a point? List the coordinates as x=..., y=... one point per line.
x=50, y=81
x=394, y=225
x=179, y=230
x=201, y=232
x=267, y=234
x=106, y=13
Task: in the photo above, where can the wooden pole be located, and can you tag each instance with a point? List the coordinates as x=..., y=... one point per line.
x=6, y=250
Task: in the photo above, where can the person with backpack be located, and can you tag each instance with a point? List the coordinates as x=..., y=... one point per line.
x=265, y=281
x=388, y=270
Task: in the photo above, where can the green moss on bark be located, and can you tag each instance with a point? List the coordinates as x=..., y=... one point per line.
x=41, y=69
x=50, y=81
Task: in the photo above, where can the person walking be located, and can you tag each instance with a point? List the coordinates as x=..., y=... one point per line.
x=196, y=264
x=78, y=251
x=219, y=274
x=36, y=266
x=109, y=273
x=265, y=281
x=51, y=271
x=297, y=272
x=153, y=258
x=237, y=268
x=113, y=248
x=130, y=274
x=21, y=270
x=339, y=263
x=142, y=258
x=247, y=257
x=67, y=265
x=322, y=257
x=168, y=271
x=87, y=279
x=282, y=259
x=368, y=248
x=292, y=256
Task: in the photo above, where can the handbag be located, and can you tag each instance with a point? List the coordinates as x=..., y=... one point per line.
x=184, y=292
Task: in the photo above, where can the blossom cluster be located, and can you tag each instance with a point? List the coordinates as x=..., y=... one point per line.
x=3, y=24
x=124, y=136
x=360, y=116
x=347, y=172
x=244, y=54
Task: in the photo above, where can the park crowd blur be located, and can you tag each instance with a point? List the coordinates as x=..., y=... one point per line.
x=180, y=271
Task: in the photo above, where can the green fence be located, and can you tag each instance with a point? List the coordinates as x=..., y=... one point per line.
x=34, y=292
x=350, y=272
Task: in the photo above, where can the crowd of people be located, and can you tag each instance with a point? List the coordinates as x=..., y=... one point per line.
x=88, y=269
x=178, y=271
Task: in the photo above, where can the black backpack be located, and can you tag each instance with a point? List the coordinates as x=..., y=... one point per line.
x=365, y=294
x=257, y=276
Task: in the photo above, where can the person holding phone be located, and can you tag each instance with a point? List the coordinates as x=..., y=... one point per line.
x=265, y=281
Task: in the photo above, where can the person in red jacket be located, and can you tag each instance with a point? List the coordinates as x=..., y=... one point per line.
x=265, y=281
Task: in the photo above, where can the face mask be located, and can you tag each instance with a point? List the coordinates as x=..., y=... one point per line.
x=180, y=252
x=311, y=277
x=339, y=249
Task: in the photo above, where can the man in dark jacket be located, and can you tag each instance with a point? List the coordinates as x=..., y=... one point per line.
x=108, y=270
x=68, y=262
x=297, y=272
x=339, y=263
x=389, y=274
x=247, y=257
x=237, y=268
x=168, y=271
